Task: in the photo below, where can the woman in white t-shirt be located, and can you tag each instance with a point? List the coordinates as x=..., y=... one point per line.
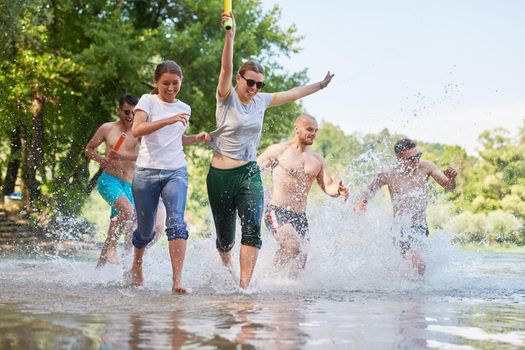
x=234, y=182
x=161, y=169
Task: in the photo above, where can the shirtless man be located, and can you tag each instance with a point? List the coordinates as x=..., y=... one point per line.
x=407, y=183
x=294, y=168
x=114, y=185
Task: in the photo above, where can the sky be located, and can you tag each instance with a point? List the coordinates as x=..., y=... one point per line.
x=437, y=71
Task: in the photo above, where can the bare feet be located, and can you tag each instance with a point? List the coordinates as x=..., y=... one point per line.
x=107, y=256
x=179, y=290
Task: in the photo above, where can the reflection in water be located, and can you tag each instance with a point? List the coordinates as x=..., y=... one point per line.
x=283, y=322
x=412, y=325
x=28, y=332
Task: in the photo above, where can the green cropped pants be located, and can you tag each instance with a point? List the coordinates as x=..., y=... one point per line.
x=236, y=191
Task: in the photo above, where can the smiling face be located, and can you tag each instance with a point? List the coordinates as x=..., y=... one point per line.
x=246, y=92
x=306, y=130
x=168, y=86
x=125, y=113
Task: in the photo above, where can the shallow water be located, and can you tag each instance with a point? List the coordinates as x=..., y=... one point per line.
x=356, y=292
x=347, y=298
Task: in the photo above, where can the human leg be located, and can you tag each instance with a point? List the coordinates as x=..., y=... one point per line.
x=290, y=230
x=118, y=195
x=177, y=253
x=160, y=222
x=221, y=186
x=410, y=244
x=108, y=254
x=249, y=202
x=137, y=278
x=417, y=261
x=146, y=192
x=174, y=191
x=247, y=259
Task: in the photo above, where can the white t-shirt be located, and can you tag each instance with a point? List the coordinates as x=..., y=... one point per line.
x=162, y=149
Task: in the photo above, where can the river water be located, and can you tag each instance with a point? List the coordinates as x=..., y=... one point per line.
x=356, y=292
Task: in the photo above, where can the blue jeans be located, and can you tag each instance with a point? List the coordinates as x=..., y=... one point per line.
x=148, y=186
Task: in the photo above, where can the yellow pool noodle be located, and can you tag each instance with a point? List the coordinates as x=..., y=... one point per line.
x=228, y=10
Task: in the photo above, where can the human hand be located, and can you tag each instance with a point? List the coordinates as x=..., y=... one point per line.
x=227, y=17
x=450, y=173
x=361, y=207
x=203, y=136
x=181, y=117
x=327, y=79
x=105, y=162
x=342, y=190
x=115, y=155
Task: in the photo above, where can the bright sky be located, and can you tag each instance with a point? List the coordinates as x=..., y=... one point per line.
x=440, y=71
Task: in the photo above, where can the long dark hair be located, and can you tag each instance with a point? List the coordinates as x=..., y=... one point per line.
x=167, y=66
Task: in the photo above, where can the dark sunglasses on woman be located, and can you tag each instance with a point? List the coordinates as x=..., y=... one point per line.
x=250, y=82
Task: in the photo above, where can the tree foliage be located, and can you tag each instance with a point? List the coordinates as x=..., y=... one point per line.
x=65, y=63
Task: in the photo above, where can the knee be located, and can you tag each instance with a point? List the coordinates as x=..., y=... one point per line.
x=291, y=248
x=224, y=245
x=127, y=214
x=141, y=240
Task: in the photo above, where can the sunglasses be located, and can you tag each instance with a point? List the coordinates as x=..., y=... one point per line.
x=250, y=82
x=127, y=112
x=414, y=158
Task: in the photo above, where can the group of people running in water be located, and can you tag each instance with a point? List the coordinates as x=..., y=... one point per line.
x=147, y=178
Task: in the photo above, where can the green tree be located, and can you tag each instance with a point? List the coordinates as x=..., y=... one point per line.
x=66, y=63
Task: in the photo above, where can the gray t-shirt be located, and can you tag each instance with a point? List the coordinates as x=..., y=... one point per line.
x=239, y=125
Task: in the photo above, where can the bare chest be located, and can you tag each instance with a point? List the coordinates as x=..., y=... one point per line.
x=127, y=143
x=298, y=166
x=408, y=182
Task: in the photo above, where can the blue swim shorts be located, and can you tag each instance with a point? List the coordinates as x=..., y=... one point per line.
x=112, y=188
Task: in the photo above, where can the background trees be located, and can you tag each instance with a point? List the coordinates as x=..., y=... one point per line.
x=63, y=65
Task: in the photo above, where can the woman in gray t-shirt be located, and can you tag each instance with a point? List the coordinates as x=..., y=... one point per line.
x=234, y=181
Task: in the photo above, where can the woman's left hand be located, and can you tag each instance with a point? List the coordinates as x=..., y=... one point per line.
x=327, y=79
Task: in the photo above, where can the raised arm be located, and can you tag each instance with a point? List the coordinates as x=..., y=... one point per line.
x=142, y=127
x=96, y=140
x=328, y=185
x=446, y=179
x=226, y=74
x=299, y=92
